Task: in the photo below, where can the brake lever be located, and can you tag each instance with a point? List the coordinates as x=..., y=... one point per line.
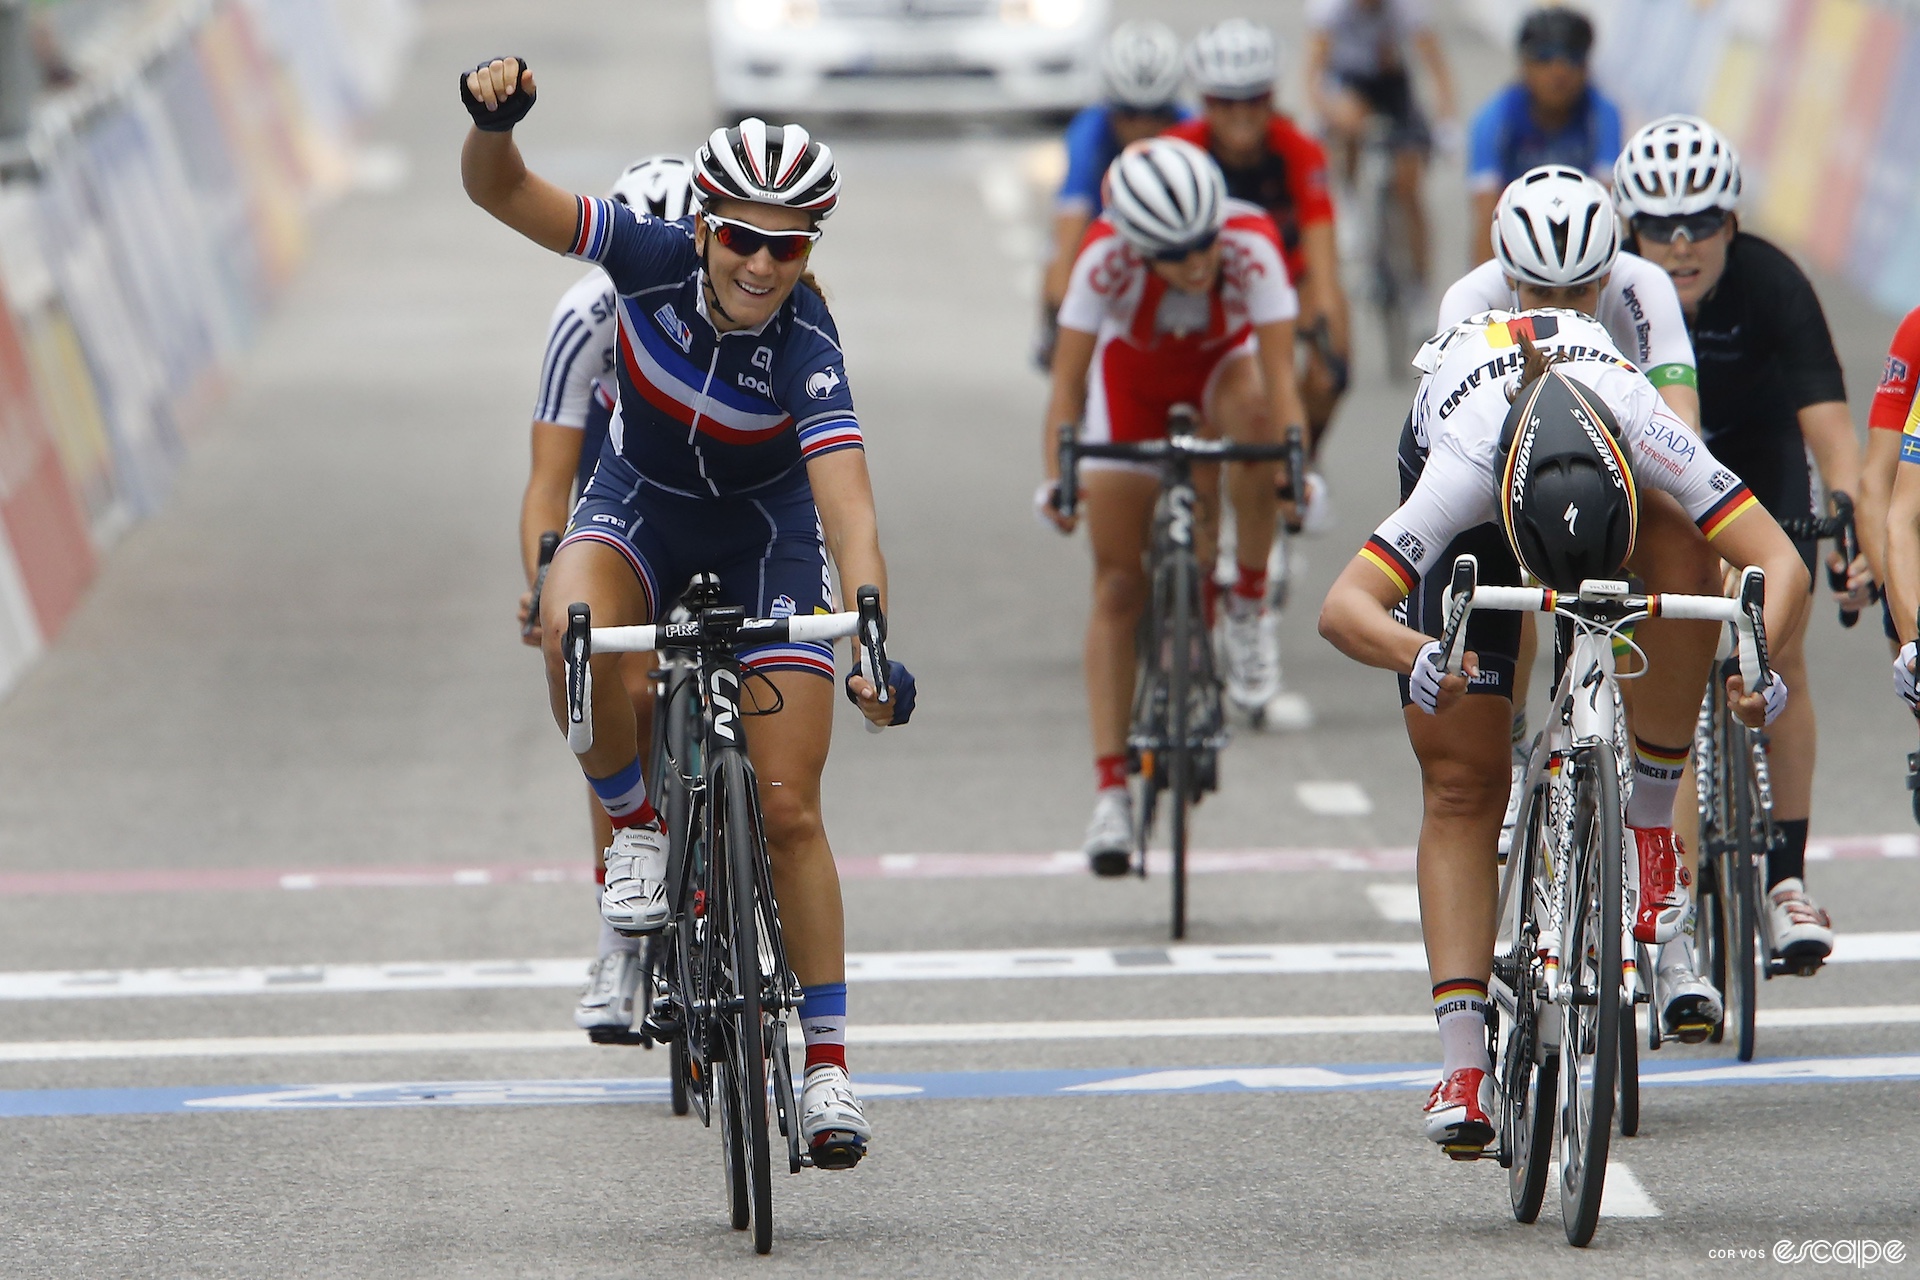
x=549, y=543
x=1066, y=496
x=578, y=654
x=1466, y=578
x=873, y=646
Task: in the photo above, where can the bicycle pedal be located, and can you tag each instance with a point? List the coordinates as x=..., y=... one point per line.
x=836, y=1150
x=1462, y=1154
x=614, y=1035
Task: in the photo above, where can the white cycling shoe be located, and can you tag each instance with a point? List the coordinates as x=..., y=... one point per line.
x=607, y=1004
x=635, y=898
x=1318, y=516
x=1513, y=809
x=1109, y=845
x=1251, y=651
x=1802, y=931
x=1690, y=1009
x=832, y=1122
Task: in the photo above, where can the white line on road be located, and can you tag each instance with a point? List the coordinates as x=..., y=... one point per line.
x=872, y=1035
x=1622, y=1196
x=881, y=966
x=1399, y=903
x=1334, y=799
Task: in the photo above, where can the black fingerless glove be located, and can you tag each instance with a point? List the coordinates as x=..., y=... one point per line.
x=512, y=109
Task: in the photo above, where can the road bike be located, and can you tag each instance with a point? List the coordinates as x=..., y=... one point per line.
x=1179, y=721
x=1565, y=973
x=727, y=991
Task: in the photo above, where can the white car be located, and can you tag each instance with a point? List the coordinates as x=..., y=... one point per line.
x=939, y=56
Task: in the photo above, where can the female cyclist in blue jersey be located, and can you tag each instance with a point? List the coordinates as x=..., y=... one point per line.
x=577, y=395
x=735, y=449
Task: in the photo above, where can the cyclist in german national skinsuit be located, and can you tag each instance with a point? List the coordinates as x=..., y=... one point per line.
x=577, y=396
x=1270, y=163
x=1770, y=391
x=735, y=450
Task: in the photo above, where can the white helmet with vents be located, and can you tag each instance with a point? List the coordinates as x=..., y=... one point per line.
x=767, y=164
x=1164, y=195
x=1235, y=59
x=1141, y=66
x=1554, y=228
x=661, y=186
x=1675, y=166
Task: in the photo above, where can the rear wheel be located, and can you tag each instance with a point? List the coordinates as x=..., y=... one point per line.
x=1590, y=963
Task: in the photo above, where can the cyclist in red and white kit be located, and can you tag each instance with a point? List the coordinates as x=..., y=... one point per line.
x=1886, y=449
x=1179, y=295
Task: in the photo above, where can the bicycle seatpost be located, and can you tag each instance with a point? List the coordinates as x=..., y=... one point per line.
x=578, y=652
x=873, y=646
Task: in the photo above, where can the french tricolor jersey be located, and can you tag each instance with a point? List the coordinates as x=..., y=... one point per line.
x=1117, y=295
x=704, y=413
x=1460, y=409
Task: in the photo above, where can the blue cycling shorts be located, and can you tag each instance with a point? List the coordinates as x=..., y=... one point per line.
x=766, y=549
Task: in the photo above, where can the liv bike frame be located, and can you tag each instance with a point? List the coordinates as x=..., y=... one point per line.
x=1561, y=916
x=1176, y=750
x=729, y=987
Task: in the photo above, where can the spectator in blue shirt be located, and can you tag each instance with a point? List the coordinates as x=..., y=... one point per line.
x=1552, y=115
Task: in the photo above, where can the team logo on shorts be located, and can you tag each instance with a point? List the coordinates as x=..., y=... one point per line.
x=675, y=327
x=824, y=383
x=782, y=607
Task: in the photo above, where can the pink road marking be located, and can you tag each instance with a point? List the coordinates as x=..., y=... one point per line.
x=888, y=866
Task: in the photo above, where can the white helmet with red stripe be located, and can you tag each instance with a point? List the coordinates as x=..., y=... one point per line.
x=767, y=164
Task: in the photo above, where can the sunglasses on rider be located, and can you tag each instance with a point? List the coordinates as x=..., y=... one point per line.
x=1180, y=253
x=746, y=239
x=1694, y=226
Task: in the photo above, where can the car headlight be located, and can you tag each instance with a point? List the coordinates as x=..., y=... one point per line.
x=1058, y=14
x=768, y=15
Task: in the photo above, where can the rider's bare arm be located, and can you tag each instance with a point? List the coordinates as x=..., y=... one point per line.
x=1873, y=504
x=1752, y=538
x=496, y=177
x=1903, y=548
x=843, y=494
x=1426, y=45
x=1322, y=294
x=1828, y=430
x=1069, y=228
x=1277, y=369
x=1072, y=358
x=1684, y=401
x=1479, y=237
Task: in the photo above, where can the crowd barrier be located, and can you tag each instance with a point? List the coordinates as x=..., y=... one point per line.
x=145, y=226
x=1820, y=96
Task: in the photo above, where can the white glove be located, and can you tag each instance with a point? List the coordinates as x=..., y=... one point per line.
x=1423, y=682
x=1776, y=695
x=1903, y=681
x=1449, y=139
x=1043, y=503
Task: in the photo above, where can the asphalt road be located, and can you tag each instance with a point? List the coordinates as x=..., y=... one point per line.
x=293, y=732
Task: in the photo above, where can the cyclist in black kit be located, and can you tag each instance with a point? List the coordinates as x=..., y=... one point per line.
x=1770, y=391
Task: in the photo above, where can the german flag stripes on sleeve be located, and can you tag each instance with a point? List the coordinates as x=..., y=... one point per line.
x=1399, y=570
x=1737, y=502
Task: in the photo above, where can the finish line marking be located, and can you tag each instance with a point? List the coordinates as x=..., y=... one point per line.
x=887, y=866
x=1339, y=1077
x=879, y=966
x=1622, y=1196
x=859, y=1035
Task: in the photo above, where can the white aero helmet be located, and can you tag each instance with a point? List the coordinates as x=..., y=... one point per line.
x=1141, y=65
x=767, y=164
x=1235, y=59
x=659, y=185
x=1554, y=227
x=1675, y=166
x=1164, y=195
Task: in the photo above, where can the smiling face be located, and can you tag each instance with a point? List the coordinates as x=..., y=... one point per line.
x=1194, y=273
x=1239, y=127
x=1695, y=265
x=749, y=289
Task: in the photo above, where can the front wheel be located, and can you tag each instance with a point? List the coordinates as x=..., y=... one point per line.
x=1590, y=969
x=735, y=845
x=1185, y=632
x=1528, y=1079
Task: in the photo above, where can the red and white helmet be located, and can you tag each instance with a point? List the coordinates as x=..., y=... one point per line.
x=767, y=164
x=1164, y=195
x=1675, y=166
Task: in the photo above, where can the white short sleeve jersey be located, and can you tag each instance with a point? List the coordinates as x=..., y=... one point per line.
x=1639, y=309
x=1367, y=39
x=1114, y=293
x=1459, y=411
x=582, y=350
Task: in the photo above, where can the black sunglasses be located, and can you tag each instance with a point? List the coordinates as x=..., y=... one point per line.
x=1694, y=226
x=1180, y=253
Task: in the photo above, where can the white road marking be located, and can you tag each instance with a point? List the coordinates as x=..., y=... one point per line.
x=929, y=1033
x=1622, y=1196
x=1334, y=799
x=882, y=966
x=1399, y=903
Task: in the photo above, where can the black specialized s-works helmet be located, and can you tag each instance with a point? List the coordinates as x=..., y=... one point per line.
x=1568, y=501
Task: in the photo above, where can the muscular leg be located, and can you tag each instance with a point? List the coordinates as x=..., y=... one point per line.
x=1672, y=555
x=789, y=750
x=1237, y=406
x=1463, y=777
x=1119, y=506
x=633, y=674
x=596, y=574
